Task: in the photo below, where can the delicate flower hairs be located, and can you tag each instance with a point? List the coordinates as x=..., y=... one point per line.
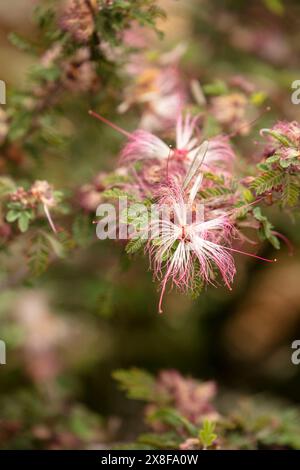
x=183, y=249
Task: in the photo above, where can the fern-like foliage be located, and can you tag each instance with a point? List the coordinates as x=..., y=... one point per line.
x=291, y=192
x=215, y=192
x=134, y=245
x=267, y=181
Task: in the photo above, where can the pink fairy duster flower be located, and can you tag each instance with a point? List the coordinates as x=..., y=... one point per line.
x=88, y=197
x=41, y=192
x=159, y=159
x=181, y=244
x=182, y=248
x=50, y=57
x=192, y=443
x=143, y=145
x=177, y=243
x=219, y=154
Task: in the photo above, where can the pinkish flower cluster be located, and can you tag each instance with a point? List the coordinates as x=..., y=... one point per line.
x=78, y=20
x=183, y=249
x=158, y=87
x=193, y=399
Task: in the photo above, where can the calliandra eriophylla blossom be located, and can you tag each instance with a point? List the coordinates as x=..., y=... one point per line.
x=182, y=248
x=185, y=249
x=145, y=146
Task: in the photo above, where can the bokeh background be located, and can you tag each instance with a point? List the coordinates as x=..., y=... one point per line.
x=96, y=311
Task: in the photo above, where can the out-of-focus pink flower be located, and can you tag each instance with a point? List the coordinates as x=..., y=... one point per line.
x=77, y=19
x=136, y=36
x=191, y=398
x=43, y=333
x=80, y=72
x=42, y=192
x=191, y=443
x=89, y=197
x=165, y=102
x=186, y=241
x=241, y=82
x=51, y=55
x=230, y=111
x=158, y=87
x=160, y=160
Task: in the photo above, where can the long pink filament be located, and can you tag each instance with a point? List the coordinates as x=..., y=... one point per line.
x=111, y=124
x=251, y=255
